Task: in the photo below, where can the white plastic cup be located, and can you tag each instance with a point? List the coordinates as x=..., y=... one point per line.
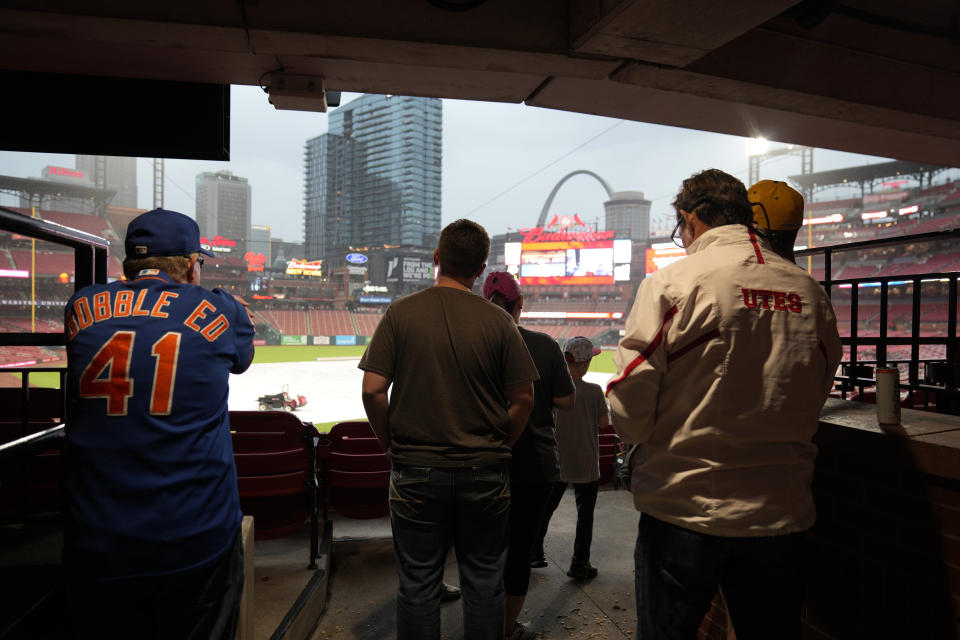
x=888, y=396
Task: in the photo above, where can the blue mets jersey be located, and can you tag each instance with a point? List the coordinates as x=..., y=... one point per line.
x=150, y=482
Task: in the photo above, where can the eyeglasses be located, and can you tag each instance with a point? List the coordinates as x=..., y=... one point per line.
x=200, y=261
x=677, y=234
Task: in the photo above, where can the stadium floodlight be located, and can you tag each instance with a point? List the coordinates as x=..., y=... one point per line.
x=757, y=146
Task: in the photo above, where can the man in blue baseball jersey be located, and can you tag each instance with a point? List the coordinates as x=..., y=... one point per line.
x=152, y=517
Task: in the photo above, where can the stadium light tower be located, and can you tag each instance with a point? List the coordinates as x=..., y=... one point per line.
x=758, y=150
x=158, y=183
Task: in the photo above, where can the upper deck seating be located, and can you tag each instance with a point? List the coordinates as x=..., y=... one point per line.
x=88, y=222
x=856, y=271
x=555, y=331
x=586, y=330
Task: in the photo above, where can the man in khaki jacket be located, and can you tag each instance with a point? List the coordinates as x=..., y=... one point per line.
x=726, y=361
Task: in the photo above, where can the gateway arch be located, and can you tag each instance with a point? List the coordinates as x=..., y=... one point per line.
x=553, y=193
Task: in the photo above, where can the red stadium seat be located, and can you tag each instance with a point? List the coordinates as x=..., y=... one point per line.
x=32, y=487
x=609, y=443
x=360, y=445
x=356, y=472
x=273, y=454
x=45, y=404
x=352, y=429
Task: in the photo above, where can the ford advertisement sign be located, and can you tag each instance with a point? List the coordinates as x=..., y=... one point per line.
x=356, y=258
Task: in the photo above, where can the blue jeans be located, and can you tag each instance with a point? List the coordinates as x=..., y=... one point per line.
x=678, y=572
x=432, y=508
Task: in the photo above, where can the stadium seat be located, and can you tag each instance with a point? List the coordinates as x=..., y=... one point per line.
x=45, y=404
x=273, y=454
x=355, y=471
x=608, y=453
x=31, y=487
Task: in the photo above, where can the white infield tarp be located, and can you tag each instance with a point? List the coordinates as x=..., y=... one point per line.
x=332, y=387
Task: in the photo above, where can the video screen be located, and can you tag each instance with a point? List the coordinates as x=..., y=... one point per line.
x=661, y=255
x=572, y=262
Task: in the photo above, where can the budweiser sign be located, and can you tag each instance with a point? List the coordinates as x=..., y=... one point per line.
x=539, y=234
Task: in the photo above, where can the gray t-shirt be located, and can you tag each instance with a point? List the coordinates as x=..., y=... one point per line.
x=450, y=355
x=577, y=434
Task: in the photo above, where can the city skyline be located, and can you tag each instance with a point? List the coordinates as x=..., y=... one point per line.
x=500, y=162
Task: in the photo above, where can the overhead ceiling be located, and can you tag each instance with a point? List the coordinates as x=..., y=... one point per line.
x=870, y=76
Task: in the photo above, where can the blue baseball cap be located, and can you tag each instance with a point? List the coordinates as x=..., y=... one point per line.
x=163, y=233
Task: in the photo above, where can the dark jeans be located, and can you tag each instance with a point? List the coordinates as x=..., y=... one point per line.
x=197, y=604
x=528, y=502
x=586, y=496
x=678, y=572
x=432, y=508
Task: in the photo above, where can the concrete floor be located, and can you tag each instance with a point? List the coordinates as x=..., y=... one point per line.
x=363, y=580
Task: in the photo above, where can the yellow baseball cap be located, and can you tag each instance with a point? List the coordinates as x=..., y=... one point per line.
x=782, y=203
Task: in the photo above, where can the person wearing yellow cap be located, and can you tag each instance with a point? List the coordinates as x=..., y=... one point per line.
x=778, y=214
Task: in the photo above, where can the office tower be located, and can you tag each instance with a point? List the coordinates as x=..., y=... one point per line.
x=259, y=240
x=223, y=207
x=112, y=172
x=628, y=213
x=374, y=178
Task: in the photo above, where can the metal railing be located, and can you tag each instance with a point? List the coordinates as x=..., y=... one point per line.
x=90, y=265
x=90, y=255
x=940, y=375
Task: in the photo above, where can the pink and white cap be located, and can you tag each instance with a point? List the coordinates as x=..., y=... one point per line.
x=503, y=282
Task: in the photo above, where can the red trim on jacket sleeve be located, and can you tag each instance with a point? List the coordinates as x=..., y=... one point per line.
x=693, y=345
x=756, y=245
x=646, y=353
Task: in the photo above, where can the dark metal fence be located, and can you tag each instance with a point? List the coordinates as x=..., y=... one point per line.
x=929, y=379
x=90, y=255
x=26, y=434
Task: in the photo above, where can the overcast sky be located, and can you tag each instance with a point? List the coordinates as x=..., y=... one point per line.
x=487, y=149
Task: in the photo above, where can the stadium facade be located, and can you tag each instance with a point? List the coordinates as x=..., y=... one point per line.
x=374, y=178
x=54, y=200
x=223, y=207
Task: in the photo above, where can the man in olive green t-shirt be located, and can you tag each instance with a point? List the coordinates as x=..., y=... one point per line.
x=462, y=391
